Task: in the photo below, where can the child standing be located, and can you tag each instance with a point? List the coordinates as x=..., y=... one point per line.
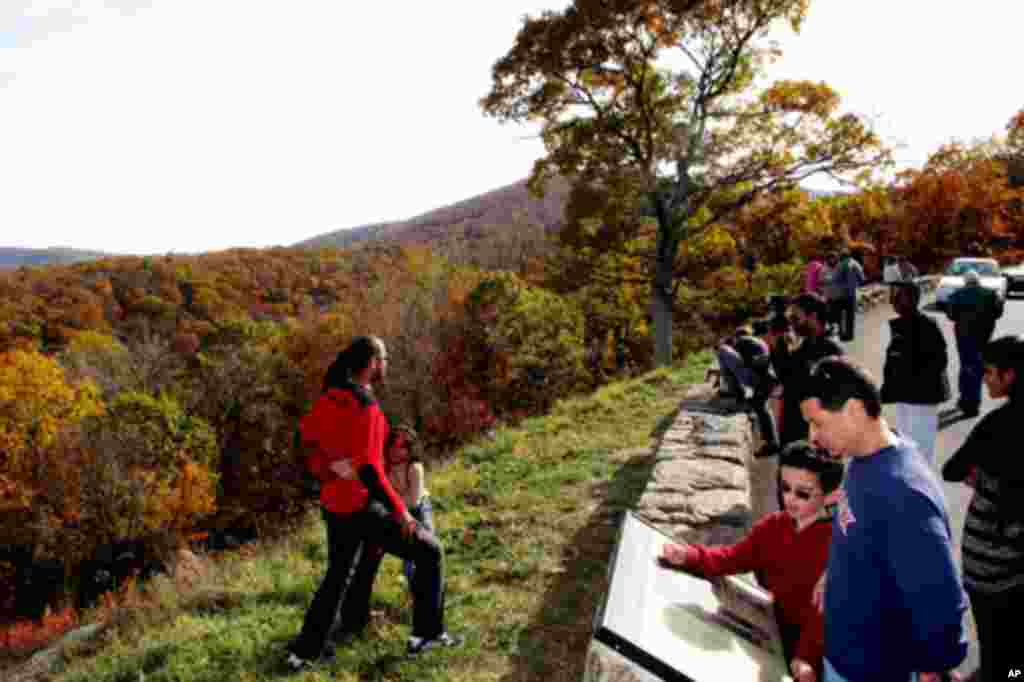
x=787, y=551
x=407, y=477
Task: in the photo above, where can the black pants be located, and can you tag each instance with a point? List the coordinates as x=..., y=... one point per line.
x=846, y=310
x=355, y=613
x=997, y=618
x=346, y=535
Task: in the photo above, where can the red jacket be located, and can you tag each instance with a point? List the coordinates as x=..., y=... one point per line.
x=340, y=427
x=788, y=564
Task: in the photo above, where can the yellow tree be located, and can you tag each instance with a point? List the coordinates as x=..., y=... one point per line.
x=36, y=404
x=691, y=144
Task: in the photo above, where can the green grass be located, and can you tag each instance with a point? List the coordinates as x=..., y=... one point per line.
x=527, y=521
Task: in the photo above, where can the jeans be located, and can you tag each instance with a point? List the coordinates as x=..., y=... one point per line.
x=997, y=617
x=424, y=513
x=972, y=369
x=347, y=535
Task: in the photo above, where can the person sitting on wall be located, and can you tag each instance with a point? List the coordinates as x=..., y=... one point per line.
x=787, y=550
x=746, y=373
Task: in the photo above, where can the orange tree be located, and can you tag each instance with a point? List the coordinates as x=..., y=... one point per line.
x=960, y=203
x=693, y=143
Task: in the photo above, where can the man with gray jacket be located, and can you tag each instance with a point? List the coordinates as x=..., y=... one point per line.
x=849, y=275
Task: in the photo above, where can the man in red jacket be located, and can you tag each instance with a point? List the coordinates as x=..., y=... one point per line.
x=787, y=551
x=345, y=432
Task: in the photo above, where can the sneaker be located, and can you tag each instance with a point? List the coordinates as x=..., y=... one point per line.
x=417, y=645
x=295, y=663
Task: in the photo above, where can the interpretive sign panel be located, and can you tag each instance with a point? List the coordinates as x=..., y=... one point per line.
x=674, y=626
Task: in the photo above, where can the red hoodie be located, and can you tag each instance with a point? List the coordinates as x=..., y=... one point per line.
x=341, y=427
x=788, y=564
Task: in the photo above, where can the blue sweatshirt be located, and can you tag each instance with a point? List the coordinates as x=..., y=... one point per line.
x=894, y=601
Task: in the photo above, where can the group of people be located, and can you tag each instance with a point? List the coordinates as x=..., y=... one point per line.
x=864, y=575
x=836, y=280
x=859, y=557
x=374, y=501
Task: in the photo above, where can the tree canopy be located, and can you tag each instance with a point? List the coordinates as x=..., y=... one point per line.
x=666, y=103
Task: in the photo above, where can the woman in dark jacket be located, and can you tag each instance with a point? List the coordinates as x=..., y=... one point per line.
x=915, y=377
x=993, y=541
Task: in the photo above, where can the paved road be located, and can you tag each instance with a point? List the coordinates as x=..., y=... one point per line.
x=868, y=348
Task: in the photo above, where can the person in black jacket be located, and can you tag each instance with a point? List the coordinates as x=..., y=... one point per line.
x=914, y=377
x=747, y=373
x=808, y=314
x=993, y=540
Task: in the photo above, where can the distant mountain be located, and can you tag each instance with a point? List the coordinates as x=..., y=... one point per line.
x=15, y=257
x=471, y=218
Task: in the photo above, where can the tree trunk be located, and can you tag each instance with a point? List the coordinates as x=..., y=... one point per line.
x=661, y=312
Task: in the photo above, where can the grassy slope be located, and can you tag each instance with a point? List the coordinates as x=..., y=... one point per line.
x=527, y=520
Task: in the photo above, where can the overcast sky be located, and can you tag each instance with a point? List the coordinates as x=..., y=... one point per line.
x=151, y=126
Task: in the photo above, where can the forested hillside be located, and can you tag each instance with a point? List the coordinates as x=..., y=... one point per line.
x=475, y=218
x=13, y=257
x=147, y=399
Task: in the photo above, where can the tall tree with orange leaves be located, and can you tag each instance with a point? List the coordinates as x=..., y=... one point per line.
x=960, y=203
x=693, y=143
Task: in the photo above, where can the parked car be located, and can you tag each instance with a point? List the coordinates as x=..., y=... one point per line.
x=953, y=277
x=1014, y=278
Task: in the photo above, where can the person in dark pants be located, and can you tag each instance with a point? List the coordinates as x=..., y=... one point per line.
x=993, y=540
x=346, y=431
x=808, y=313
x=405, y=472
x=746, y=366
x=848, y=277
x=974, y=310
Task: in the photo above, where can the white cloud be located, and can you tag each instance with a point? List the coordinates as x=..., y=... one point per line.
x=191, y=125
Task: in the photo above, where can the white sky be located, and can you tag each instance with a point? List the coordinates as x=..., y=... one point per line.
x=150, y=126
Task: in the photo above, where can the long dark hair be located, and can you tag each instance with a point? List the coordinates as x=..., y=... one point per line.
x=1007, y=352
x=351, y=361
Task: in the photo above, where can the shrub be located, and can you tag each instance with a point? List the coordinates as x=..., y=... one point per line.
x=148, y=470
x=253, y=397
x=528, y=342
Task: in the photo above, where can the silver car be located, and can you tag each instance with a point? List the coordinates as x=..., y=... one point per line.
x=953, y=278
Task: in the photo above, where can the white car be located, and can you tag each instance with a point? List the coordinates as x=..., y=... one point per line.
x=953, y=278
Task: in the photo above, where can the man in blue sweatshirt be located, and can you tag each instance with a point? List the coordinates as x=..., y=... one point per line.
x=894, y=601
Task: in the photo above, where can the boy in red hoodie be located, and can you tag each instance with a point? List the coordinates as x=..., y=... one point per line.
x=786, y=550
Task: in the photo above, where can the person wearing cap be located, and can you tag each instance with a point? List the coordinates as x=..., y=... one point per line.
x=974, y=310
x=914, y=377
